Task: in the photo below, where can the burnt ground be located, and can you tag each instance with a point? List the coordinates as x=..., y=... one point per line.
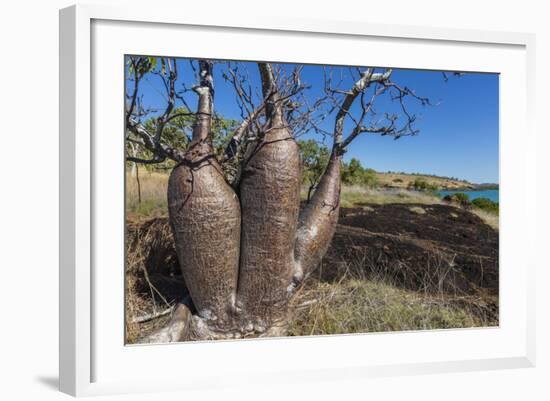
x=420, y=247
x=439, y=249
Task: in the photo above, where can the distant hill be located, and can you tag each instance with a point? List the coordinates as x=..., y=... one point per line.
x=404, y=180
x=487, y=185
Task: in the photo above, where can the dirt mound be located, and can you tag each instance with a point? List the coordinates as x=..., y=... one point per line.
x=420, y=247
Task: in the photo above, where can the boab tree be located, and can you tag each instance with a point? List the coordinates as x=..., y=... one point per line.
x=244, y=244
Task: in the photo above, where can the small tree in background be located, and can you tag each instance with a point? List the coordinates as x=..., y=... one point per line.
x=353, y=173
x=314, y=158
x=420, y=184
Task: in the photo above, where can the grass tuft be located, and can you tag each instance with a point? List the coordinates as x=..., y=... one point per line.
x=489, y=218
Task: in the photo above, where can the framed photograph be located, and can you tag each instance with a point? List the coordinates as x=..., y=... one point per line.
x=257, y=200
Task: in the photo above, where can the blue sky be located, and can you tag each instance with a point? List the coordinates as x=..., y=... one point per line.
x=458, y=134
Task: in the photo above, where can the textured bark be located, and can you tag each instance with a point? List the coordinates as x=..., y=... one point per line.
x=270, y=201
x=205, y=219
x=318, y=220
x=242, y=260
x=177, y=329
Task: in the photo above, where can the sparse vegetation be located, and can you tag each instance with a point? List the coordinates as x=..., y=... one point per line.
x=484, y=208
x=420, y=184
x=486, y=204
x=154, y=185
x=392, y=179
x=356, y=195
x=152, y=200
x=363, y=306
x=490, y=218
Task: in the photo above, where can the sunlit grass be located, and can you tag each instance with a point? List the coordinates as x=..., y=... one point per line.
x=152, y=188
x=363, y=306
x=356, y=196
x=489, y=218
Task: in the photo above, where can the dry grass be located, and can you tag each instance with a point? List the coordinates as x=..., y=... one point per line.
x=489, y=218
x=357, y=196
x=353, y=196
x=153, y=281
x=153, y=187
x=367, y=298
x=417, y=210
x=397, y=180
x=362, y=306
x=132, y=303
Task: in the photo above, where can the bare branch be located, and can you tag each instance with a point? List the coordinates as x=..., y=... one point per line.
x=153, y=141
x=137, y=77
x=367, y=77
x=162, y=151
x=144, y=161
x=389, y=125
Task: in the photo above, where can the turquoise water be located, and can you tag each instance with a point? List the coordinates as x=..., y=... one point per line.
x=485, y=193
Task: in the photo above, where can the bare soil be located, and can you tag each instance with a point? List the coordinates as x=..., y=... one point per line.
x=410, y=242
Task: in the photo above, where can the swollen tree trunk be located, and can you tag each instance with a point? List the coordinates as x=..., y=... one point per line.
x=270, y=202
x=241, y=279
x=318, y=220
x=205, y=218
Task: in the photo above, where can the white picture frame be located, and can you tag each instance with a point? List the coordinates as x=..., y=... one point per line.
x=93, y=357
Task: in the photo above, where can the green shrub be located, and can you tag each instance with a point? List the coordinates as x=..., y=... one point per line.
x=458, y=197
x=353, y=173
x=420, y=184
x=315, y=159
x=461, y=197
x=486, y=204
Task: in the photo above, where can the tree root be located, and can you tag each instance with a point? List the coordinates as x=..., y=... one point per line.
x=184, y=326
x=176, y=330
x=152, y=316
